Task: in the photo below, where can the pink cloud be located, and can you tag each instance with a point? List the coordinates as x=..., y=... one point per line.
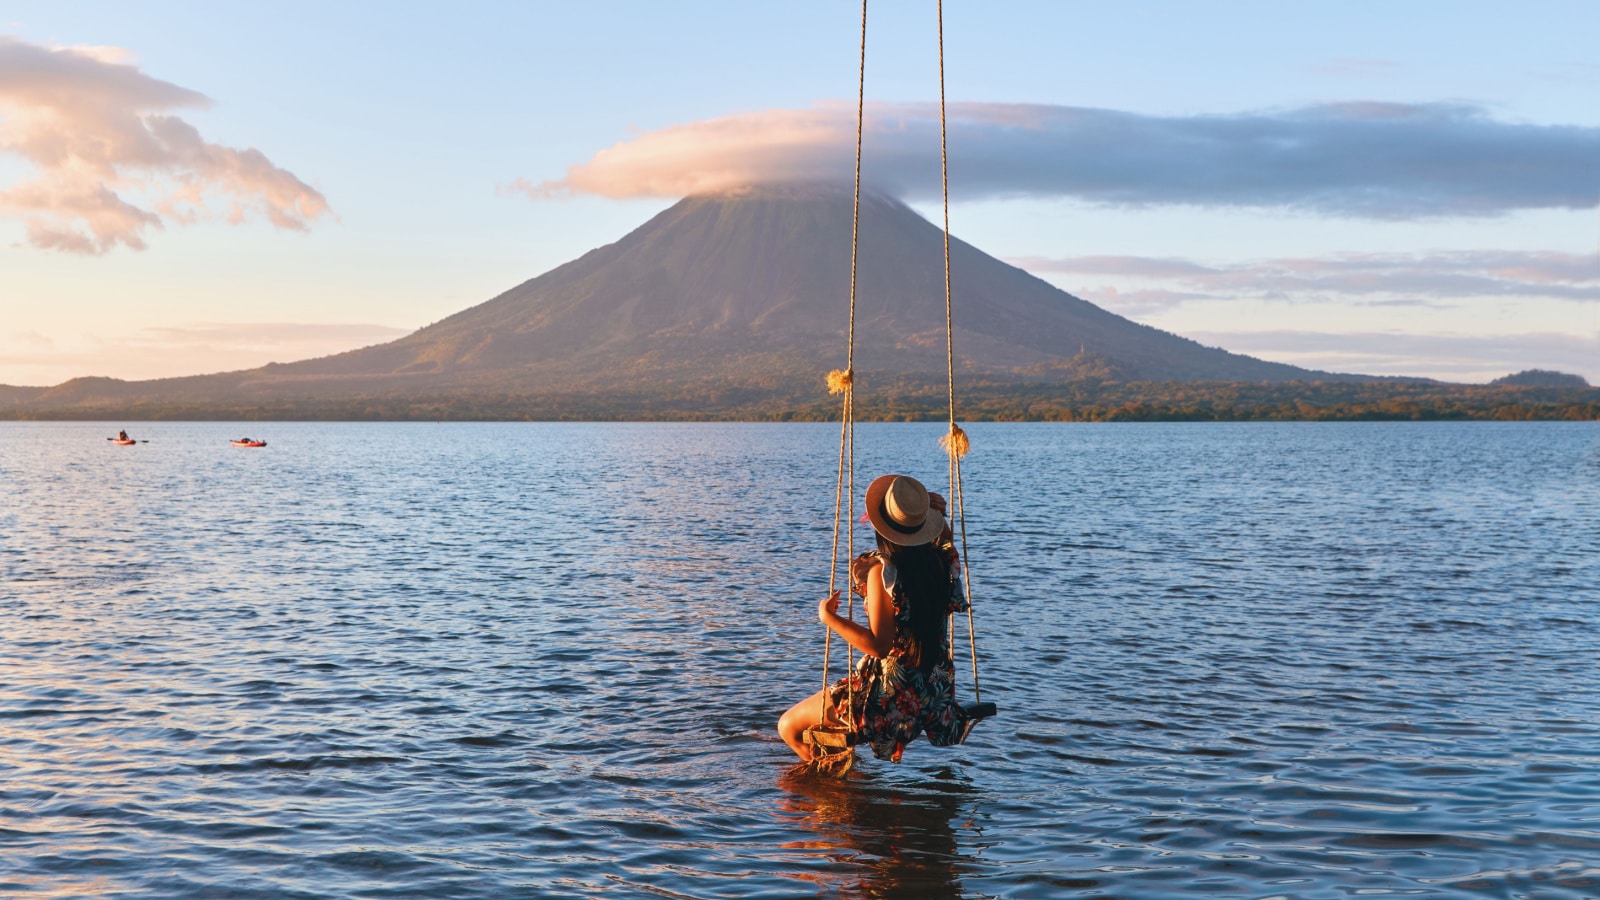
x=32, y=358
x=325, y=337
x=110, y=162
x=715, y=156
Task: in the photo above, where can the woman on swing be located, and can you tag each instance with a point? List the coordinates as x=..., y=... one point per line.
x=905, y=683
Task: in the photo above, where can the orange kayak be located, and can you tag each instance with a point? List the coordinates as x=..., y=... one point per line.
x=248, y=443
x=127, y=443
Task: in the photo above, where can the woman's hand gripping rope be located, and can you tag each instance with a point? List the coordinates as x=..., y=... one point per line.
x=828, y=609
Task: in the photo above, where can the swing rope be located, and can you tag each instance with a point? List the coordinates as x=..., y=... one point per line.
x=843, y=382
x=955, y=443
x=835, y=746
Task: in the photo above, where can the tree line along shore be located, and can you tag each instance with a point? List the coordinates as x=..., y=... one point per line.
x=902, y=399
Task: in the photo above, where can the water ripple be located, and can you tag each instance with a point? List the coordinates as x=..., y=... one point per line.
x=544, y=660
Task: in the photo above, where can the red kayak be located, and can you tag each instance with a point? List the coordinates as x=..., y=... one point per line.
x=124, y=443
x=246, y=442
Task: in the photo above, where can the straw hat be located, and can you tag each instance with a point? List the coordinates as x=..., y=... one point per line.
x=897, y=505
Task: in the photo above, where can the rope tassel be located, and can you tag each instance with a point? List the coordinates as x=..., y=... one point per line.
x=840, y=380
x=956, y=443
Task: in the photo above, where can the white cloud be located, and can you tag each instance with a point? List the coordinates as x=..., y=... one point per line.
x=1363, y=160
x=1137, y=303
x=1458, y=357
x=110, y=163
x=1438, y=277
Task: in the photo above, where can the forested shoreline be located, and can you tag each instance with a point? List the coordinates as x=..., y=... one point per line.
x=901, y=400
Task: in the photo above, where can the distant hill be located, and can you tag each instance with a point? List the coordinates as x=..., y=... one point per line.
x=12, y=396
x=719, y=302
x=1541, y=378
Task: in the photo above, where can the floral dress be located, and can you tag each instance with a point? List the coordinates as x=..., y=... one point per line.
x=893, y=703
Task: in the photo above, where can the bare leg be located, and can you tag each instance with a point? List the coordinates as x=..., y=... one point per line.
x=793, y=724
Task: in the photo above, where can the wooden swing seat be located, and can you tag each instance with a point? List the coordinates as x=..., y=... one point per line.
x=831, y=737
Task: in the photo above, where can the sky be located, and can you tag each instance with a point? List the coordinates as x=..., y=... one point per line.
x=1388, y=188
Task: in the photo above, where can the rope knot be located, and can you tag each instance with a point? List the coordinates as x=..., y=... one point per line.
x=840, y=380
x=956, y=442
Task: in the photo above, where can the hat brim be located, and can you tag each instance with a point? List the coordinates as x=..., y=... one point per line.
x=932, y=524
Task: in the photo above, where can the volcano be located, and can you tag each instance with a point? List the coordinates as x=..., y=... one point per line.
x=717, y=284
x=743, y=294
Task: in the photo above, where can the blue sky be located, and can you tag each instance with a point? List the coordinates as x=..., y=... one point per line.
x=394, y=136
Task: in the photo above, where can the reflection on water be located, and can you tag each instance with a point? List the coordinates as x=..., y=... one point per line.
x=547, y=661
x=882, y=842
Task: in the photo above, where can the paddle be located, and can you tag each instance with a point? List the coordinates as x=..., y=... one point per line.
x=137, y=442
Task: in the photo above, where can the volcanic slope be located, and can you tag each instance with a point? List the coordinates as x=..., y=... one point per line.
x=746, y=293
x=748, y=285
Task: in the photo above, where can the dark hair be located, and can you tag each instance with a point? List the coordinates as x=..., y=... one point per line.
x=923, y=576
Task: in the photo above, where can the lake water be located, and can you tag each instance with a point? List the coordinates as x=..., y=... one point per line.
x=545, y=660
